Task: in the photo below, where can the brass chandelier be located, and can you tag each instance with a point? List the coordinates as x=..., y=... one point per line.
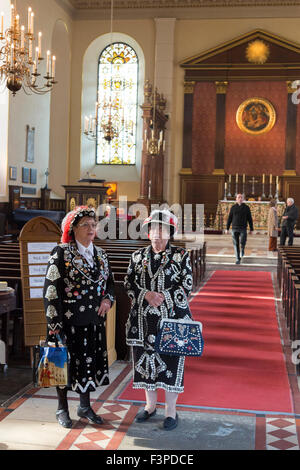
x=21, y=55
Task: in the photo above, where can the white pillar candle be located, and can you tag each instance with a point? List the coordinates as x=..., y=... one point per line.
x=53, y=67
x=229, y=178
x=40, y=44
x=29, y=19
x=22, y=38
x=32, y=23
x=270, y=178
x=243, y=178
x=48, y=62
x=36, y=55
x=263, y=178
x=236, y=177
x=12, y=11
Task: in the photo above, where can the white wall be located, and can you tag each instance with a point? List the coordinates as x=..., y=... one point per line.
x=34, y=110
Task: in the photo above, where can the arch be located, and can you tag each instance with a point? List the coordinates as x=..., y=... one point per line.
x=60, y=110
x=4, y=113
x=89, y=97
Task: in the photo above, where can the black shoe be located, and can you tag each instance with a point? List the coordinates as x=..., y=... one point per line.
x=238, y=261
x=144, y=415
x=170, y=423
x=64, y=419
x=89, y=414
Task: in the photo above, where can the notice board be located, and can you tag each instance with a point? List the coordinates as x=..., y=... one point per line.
x=37, y=239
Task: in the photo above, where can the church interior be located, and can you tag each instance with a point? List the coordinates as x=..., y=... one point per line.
x=131, y=105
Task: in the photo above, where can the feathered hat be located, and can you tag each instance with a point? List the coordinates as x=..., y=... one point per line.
x=72, y=218
x=163, y=217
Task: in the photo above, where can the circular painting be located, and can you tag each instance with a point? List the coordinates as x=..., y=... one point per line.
x=256, y=116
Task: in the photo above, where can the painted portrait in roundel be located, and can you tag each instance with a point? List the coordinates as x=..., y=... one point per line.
x=256, y=116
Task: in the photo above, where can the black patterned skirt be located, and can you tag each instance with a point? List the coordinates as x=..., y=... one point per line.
x=153, y=370
x=88, y=357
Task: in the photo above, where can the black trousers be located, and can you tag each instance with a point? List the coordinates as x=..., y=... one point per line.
x=287, y=231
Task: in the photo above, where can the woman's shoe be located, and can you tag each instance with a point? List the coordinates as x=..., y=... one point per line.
x=64, y=419
x=170, y=423
x=144, y=415
x=89, y=414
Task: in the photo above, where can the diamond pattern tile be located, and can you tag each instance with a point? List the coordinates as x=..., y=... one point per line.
x=281, y=434
x=98, y=437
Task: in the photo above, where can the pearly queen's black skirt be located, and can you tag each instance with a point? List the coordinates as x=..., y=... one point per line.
x=88, y=357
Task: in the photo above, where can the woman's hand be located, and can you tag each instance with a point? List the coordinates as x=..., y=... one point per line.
x=104, y=307
x=155, y=299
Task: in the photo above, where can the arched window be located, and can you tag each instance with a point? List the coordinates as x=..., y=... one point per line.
x=118, y=98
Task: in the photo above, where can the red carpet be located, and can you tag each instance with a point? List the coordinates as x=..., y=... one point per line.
x=243, y=365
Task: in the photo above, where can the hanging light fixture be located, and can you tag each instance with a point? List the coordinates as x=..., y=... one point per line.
x=109, y=119
x=20, y=60
x=156, y=142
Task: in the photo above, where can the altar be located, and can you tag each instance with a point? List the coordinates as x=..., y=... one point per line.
x=259, y=212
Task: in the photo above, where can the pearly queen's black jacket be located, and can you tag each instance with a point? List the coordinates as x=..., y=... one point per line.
x=73, y=290
x=174, y=280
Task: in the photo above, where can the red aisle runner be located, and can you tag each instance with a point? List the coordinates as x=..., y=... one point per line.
x=243, y=366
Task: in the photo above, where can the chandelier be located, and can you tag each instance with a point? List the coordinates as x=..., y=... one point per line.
x=21, y=55
x=156, y=141
x=110, y=117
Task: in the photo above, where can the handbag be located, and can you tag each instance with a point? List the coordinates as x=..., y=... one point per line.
x=179, y=337
x=51, y=364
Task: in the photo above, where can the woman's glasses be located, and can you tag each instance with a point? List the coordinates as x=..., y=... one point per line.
x=87, y=225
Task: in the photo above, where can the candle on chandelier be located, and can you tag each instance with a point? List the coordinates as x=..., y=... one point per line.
x=263, y=178
x=277, y=180
x=40, y=45
x=48, y=63
x=22, y=38
x=36, y=57
x=53, y=66
x=270, y=178
x=17, y=23
x=29, y=19
x=32, y=20
x=12, y=16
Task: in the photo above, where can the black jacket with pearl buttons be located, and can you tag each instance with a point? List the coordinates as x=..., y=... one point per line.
x=73, y=290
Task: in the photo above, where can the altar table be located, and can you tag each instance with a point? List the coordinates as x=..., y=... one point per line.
x=259, y=212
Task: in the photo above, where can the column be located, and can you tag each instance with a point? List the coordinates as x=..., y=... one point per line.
x=164, y=67
x=221, y=88
x=187, y=127
x=291, y=132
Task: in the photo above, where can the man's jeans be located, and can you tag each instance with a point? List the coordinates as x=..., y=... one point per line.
x=287, y=231
x=239, y=238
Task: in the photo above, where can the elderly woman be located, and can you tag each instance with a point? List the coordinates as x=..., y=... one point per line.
x=273, y=225
x=78, y=293
x=158, y=282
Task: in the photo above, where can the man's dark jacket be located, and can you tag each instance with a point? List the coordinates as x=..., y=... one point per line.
x=292, y=213
x=239, y=216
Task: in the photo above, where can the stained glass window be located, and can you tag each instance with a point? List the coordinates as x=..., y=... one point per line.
x=118, y=98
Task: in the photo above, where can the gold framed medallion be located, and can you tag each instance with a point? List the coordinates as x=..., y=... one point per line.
x=256, y=116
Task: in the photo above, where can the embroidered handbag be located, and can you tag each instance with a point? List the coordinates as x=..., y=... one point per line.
x=179, y=337
x=50, y=367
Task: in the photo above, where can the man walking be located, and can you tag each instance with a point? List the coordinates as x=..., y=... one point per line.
x=239, y=217
x=289, y=220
